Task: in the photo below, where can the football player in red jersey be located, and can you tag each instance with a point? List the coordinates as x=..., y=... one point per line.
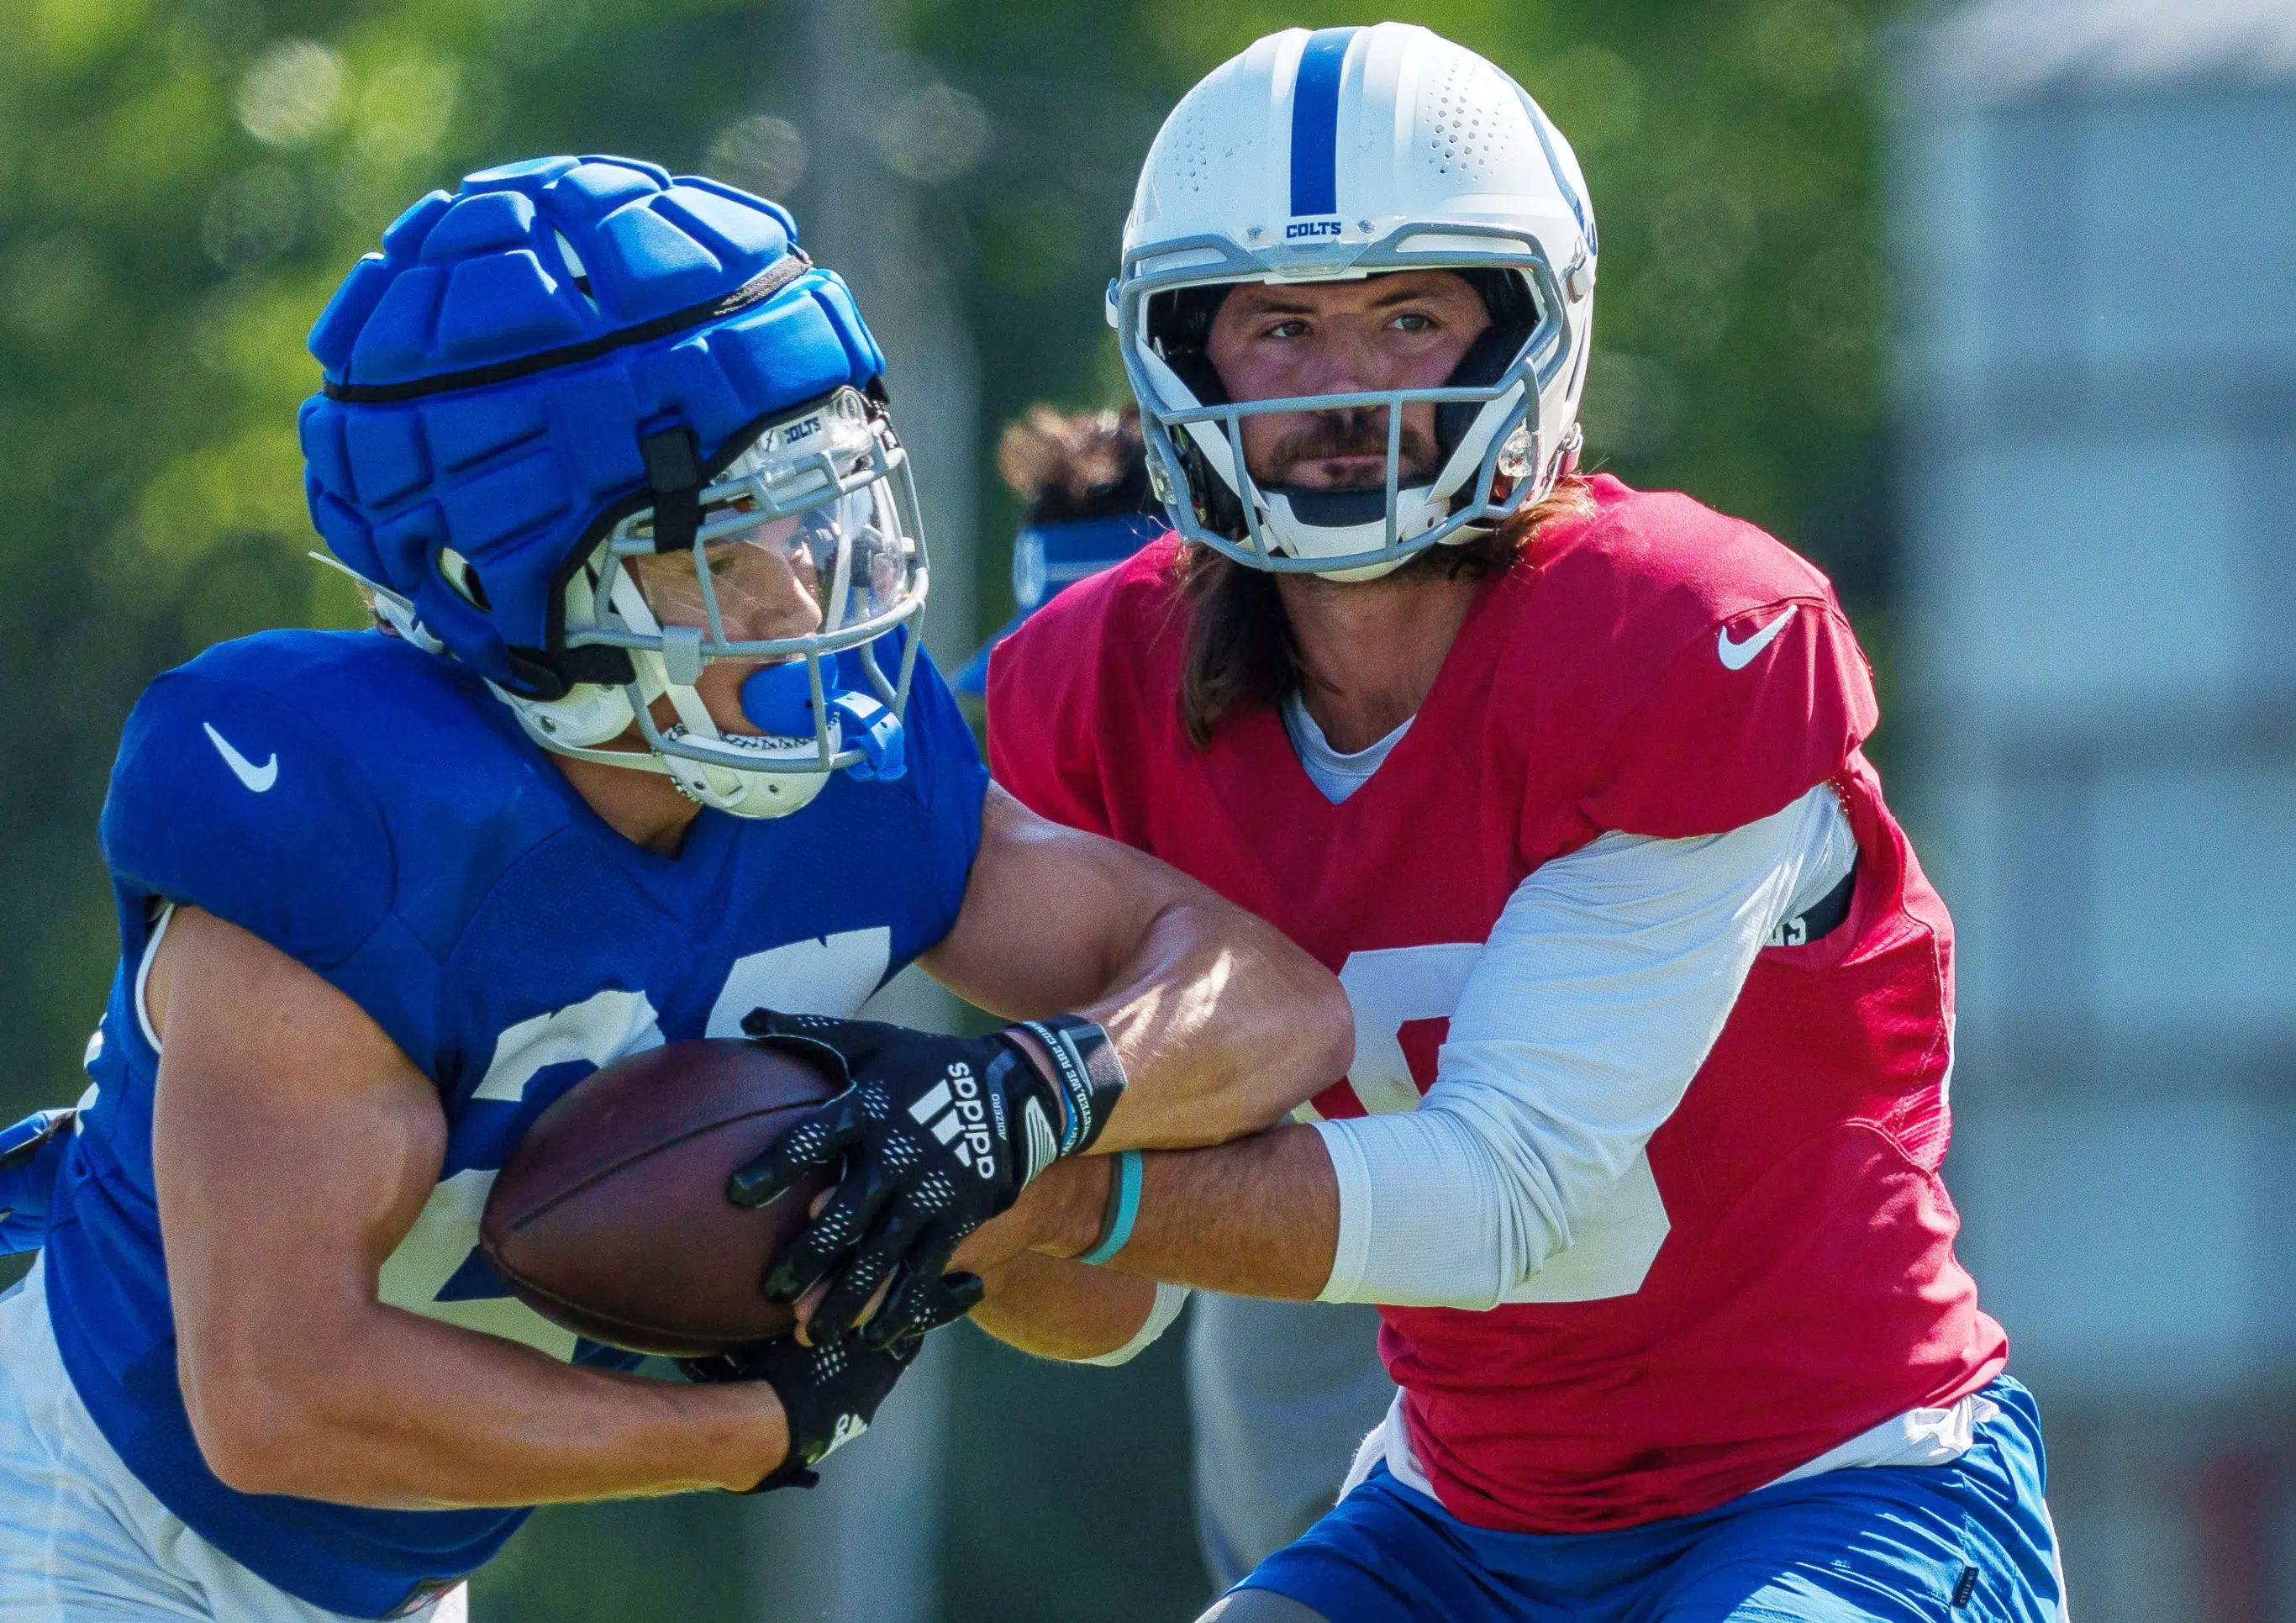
x=1639, y=1154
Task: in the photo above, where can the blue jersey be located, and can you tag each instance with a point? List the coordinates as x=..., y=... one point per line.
x=373, y=812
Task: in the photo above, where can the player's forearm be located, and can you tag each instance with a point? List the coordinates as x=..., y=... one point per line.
x=1224, y=1026
x=1055, y=1308
x=293, y=1149
x=402, y=1413
x=1259, y=1217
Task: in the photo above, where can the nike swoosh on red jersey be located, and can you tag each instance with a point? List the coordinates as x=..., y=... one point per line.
x=1737, y=656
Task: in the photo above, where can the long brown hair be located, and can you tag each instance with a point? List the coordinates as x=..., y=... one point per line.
x=1240, y=650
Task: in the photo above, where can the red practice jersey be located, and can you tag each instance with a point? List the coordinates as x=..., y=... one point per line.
x=1779, y=1275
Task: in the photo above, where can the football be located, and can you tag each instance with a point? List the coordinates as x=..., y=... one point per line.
x=610, y=1218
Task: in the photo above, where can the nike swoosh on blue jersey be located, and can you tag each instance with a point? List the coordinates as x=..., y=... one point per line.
x=259, y=779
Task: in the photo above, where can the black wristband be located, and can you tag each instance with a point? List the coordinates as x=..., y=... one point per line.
x=1088, y=1074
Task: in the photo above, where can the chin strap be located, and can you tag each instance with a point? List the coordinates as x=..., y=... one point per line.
x=673, y=465
x=876, y=732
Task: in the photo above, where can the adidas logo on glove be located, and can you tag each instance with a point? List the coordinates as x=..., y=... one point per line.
x=952, y=1108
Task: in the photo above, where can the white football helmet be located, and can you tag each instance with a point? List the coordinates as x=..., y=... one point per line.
x=1349, y=152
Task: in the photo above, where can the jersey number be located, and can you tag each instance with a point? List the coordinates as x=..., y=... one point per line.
x=432, y=1272
x=1389, y=988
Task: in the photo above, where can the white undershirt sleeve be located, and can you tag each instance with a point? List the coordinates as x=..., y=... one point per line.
x=1606, y=981
x=1170, y=1300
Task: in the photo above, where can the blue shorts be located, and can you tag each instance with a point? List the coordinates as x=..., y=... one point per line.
x=1966, y=1543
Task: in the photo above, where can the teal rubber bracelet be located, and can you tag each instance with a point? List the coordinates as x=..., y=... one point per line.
x=1124, y=1210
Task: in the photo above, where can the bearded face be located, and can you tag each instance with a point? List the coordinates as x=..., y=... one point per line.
x=1405, y=330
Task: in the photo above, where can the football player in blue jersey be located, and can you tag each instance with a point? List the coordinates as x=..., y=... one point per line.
x=643, y=746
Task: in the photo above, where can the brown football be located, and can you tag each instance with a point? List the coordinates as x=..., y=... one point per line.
x=612, y=1219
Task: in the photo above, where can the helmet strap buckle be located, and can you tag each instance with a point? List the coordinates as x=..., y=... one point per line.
x=673, y=465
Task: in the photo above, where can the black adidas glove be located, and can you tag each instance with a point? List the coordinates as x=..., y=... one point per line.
x=938, y=1134
x=829, y=1394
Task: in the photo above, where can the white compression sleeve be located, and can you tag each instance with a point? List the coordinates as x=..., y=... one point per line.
x=1606, y=981
x=1170, y=1300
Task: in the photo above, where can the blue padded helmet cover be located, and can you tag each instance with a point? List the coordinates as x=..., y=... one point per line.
x=484, y=395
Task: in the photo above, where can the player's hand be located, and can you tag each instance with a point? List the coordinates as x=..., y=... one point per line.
x=829, y=1394
x=938, y=1135
x=30, y=1151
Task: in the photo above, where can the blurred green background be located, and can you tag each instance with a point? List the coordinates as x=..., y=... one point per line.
x=183, y=182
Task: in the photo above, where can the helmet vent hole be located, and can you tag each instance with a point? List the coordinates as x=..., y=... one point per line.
x=462, y=575
x=576, y=269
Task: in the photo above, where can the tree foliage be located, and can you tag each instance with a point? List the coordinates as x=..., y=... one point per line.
x=185, y=182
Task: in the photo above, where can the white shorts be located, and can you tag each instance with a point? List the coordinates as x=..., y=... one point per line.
x=80, y=1538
